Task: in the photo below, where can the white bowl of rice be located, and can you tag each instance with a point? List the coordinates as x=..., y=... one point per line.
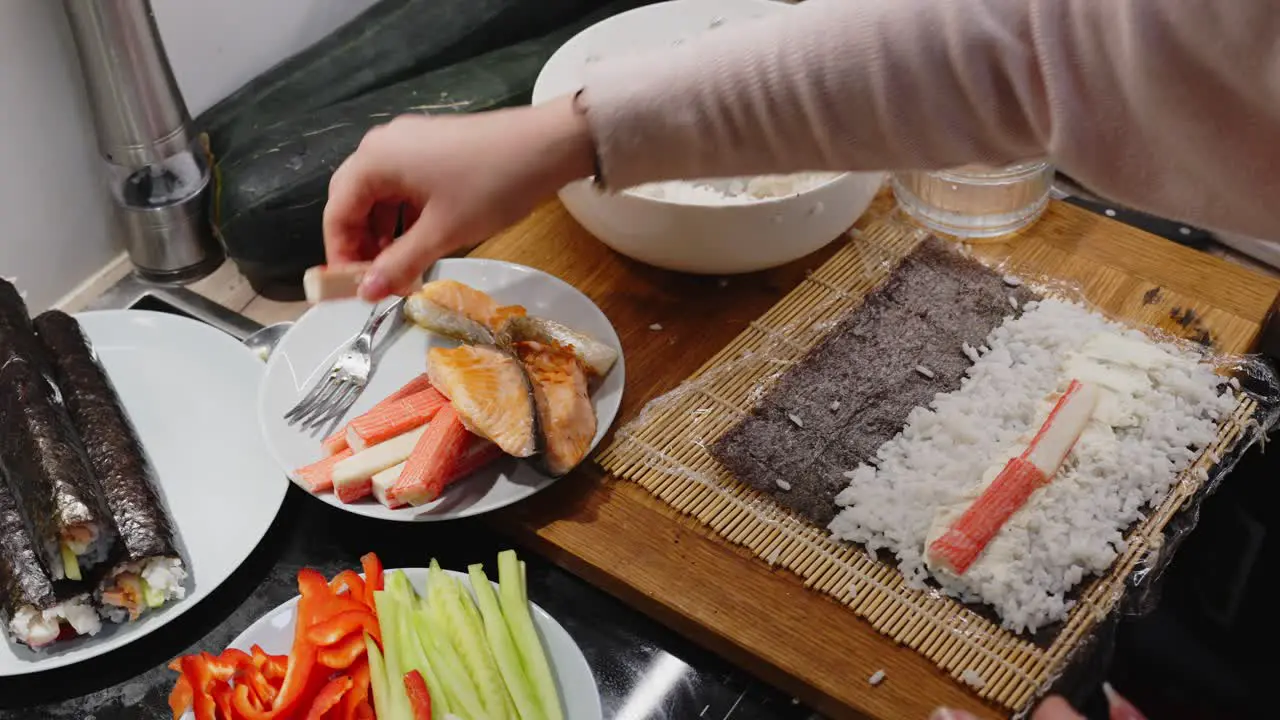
x=715, y=226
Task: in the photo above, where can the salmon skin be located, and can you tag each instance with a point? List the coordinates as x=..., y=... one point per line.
x=119, y=461
x=44, y=461
x=566, y=417
x=594, y=355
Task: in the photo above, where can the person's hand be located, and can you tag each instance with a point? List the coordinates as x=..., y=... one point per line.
x=1056, y=708
x=459, y=180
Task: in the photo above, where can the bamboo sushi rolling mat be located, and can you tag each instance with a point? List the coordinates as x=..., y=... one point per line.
x=665, y=451
x=624, y=539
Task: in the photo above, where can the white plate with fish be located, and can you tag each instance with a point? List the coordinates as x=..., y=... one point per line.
x=188, y=390
x=378, y=463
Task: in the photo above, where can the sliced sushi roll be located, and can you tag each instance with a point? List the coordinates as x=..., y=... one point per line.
x=44, y=460
x=34, y=613
x=148, y=570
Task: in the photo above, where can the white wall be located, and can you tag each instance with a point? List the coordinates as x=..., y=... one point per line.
x=56, y=228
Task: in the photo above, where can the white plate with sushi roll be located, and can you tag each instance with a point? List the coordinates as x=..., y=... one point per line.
x=189, y=392
x=495, y=380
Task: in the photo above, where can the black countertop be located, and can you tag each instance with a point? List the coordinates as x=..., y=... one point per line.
x=643, y=671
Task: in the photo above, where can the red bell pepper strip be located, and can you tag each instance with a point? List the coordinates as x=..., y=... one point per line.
x=359, y=692
x=372, y=577
x=222, y=700
x=180, y=696
x=311, y=583
x=364, y=711
x=299, y=675
x=419, y=699
x=342, y=654
x=197, y=673
x=329, y=697
x=272, y=666
x=176, y=664
x=258, y=683
x=225, y=666
x=351, y=582
x=337, y=627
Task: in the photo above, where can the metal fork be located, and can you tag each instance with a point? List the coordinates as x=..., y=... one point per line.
x=337, y=390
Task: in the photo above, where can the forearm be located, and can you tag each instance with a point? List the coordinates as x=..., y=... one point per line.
x=1165, y=106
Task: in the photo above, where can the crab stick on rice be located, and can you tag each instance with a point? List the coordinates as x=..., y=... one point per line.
x=390, y=419
x=337, y=442
x=353, y=477
x=961, y=543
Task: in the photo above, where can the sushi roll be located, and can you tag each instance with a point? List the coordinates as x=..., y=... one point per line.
x=34, y=614
x=148, y=570
x=44, y=463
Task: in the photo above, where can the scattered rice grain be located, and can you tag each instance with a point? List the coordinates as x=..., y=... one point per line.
x=1012, y=281
x=973, y=678
x=876, y=678
x=925, y=371
x=795, y=419
x=655, y=327
x=783, y=485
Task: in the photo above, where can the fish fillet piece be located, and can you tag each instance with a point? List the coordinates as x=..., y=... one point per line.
x=490, y=393
x=597, y=357
x=566, y=418
x=961, y=544
x=472, y=304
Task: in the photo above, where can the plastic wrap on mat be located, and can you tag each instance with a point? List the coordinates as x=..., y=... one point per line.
x=667, y=450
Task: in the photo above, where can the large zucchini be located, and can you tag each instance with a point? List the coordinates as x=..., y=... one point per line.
x=270, y=191
x=391, y=41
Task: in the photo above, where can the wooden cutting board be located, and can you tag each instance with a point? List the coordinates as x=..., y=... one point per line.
x=617, y=536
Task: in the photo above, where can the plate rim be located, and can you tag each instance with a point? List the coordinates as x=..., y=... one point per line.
x=403, y=515
x=241, y=642
x=127, y=636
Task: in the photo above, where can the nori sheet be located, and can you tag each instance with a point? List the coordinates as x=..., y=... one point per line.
x=119, y=461
x=23, y=579
x=855, y=389
x=43, y=461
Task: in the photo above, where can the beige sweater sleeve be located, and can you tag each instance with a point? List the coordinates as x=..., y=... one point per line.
x=1171, y=106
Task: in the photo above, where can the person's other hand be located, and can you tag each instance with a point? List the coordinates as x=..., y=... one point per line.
x=459, y=179
x=1056, y=708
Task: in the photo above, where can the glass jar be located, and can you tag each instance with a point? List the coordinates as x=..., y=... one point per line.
x=975, y=202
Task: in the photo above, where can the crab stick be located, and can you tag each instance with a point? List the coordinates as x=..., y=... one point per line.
x=433, y=461
x=480, y=453
x=337, y=442
x=961, y=544
x=318, y=476
x=390, y=419
x=352, y=477
x=338, y=282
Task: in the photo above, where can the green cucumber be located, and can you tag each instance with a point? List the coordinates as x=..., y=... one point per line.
x=504, y=647
x=514, y=599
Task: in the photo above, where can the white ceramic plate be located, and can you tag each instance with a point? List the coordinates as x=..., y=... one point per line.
x=274, y=633
x=312, y=344
x=189, y=390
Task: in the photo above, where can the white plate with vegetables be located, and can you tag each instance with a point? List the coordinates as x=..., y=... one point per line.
x=423, y=606
x=500, y=379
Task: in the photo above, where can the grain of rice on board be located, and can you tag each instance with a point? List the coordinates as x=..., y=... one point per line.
x=1160, y=406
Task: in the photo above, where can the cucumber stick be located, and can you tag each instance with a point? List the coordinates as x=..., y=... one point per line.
x=459, y=689
x=446, y=600
x=514, y=600
x=409, y=645
x=504, y=647
x=397, y=699
x=377, y=677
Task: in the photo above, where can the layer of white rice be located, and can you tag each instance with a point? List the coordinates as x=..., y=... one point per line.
x=39, y=628
x=165, y=575
x=1141, y=437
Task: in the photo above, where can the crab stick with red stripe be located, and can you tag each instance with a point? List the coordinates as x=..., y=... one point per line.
x=339, y=282
x=337, y=442
x=961, y=544
x=434, y=460
x=391, y=419
x=478, y=455
x=353, y=477
x=318, y=476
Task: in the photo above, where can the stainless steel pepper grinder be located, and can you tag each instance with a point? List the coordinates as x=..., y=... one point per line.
x=157, y=169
